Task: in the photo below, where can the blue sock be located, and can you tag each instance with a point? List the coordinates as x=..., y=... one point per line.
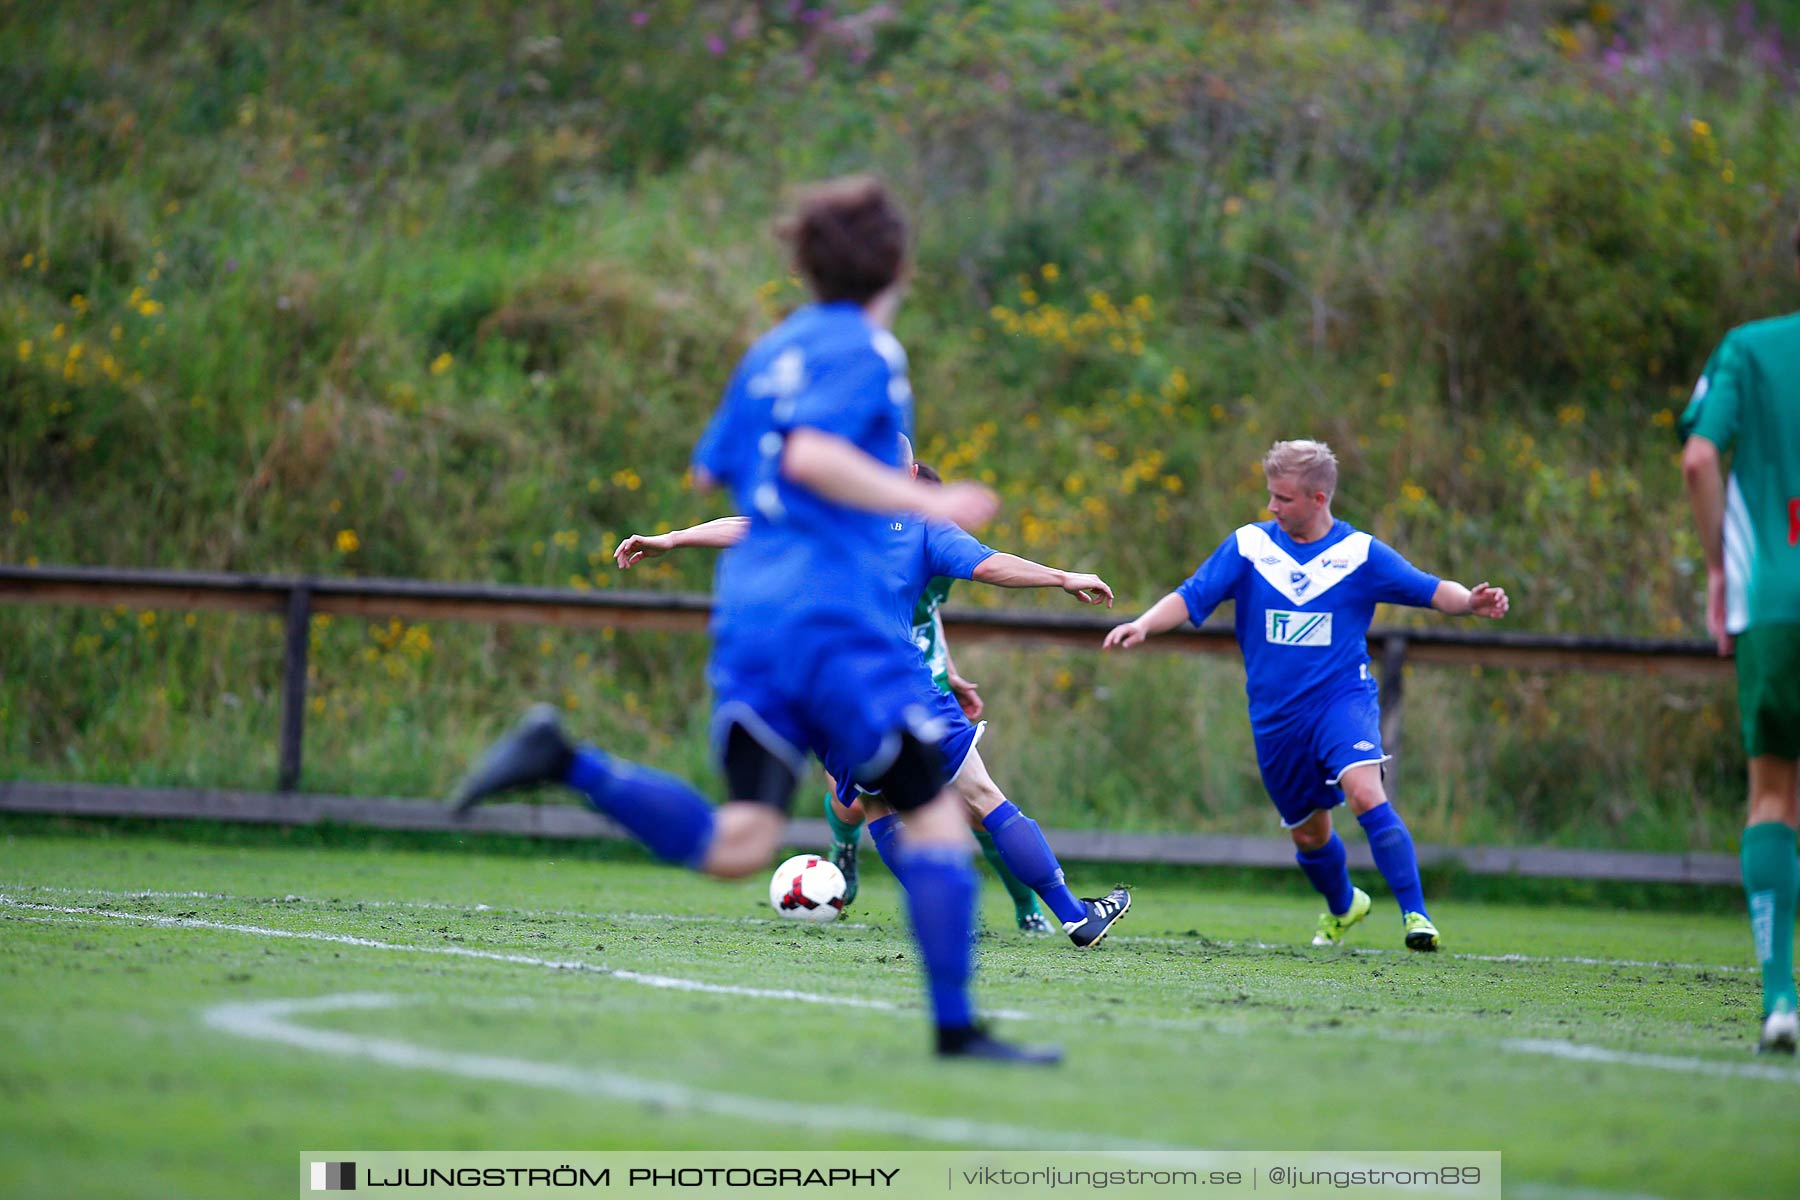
x=1329, y=872
x=885, y=833
x=670, y=818
x=941, y=897
x=1392, y=846
x=1021, y=843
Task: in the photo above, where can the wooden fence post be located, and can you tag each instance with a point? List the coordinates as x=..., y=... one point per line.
x=1393, y=696
x=293, y=686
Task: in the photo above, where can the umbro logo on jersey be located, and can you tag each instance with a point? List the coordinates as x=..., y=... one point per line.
x=1297, y=628
x=1365, y=745
x=1302, y=584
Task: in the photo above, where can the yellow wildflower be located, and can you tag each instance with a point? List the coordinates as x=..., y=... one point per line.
x=348, y=542
x=442, y=363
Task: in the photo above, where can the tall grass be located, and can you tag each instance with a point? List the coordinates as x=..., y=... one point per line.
x=342, y=290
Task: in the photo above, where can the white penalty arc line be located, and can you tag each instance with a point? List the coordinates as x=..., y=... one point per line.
x=271, y=1021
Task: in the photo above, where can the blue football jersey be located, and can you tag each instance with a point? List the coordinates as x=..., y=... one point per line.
x=826, y=367
x=921, y=551
x=1303, y=610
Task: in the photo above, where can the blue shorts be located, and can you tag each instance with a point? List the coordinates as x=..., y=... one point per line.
x=841, y=689
x=959, y=738
x=1303, y=760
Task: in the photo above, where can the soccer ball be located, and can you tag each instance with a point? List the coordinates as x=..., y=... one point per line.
x=807, y=888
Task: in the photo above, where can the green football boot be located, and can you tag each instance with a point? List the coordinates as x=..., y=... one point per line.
x=1421, y=934
x=1333, y=927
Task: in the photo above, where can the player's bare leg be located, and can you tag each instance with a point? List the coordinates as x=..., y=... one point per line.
x=1771, y=878
x=745, y=837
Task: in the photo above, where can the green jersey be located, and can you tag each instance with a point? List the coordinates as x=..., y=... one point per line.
x=1748, y=401
x=928, y=630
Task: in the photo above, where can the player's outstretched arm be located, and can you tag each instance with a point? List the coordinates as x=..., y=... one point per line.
x=1482, y=600
x=1011, y=571
x=715, y=534
x=838, y=470
x=1163, y=616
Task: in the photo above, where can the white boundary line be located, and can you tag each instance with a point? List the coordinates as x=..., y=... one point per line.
x=270, y=1021
x=527, y=960
x=1572, y=1051
x=348, y=905
x=1577, y=1052
x=670, y=982
x=1361, y=951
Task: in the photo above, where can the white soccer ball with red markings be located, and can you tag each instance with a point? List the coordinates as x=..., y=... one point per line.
x=807, y=888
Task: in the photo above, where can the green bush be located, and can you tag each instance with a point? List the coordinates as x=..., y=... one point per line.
x=360, y=289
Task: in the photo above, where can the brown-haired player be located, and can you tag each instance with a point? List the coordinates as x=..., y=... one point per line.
x=803, y=658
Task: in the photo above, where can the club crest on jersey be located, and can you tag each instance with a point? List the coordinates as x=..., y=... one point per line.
x=1301, y=581
x=1297, y=628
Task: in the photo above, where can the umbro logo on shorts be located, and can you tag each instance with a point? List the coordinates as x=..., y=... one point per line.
x=1365, y=745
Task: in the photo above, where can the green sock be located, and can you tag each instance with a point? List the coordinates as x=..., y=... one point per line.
x=841, y=830
x=1771, y=880
x=1023, y=898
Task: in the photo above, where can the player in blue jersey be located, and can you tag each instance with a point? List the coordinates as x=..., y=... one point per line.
x=919, y=552
x=1305, y=586
x=804, y=654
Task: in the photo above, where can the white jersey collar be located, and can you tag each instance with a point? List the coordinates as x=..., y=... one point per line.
x=1302, y=584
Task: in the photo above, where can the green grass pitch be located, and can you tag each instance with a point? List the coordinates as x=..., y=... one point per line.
x=156, y=1042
